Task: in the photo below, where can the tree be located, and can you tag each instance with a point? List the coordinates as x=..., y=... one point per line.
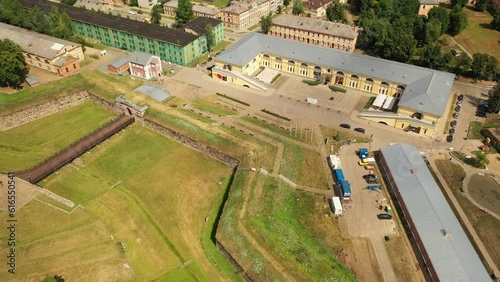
x=336, y=12
x=419, y=28
x=494, y=100
x=133, y=3
x=484, y=66
x=432, y=57
x=279, y=10
x=298, y=7
x=265, y=23
x=286, y=2
x=432, y=31
x=156, y=14
x=459, y=3
x=13, y=68
x=481, y=5
x=211, y=40
x=49, y=279
x=385, y=9
x=463, y=64
x=12, y=13
x=398, y=43
x=68, y=2
x=441, y=14
x=184, y=12
x=458, y=20
x=38, y=21
x=61, y=24
x=496, y=21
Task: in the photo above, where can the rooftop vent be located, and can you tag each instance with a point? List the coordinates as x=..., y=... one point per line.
x=446, y=232
x=414, y=171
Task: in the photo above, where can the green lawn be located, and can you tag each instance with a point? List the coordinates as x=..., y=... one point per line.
x=159, y=205
x=24, y=146
x=478, y=36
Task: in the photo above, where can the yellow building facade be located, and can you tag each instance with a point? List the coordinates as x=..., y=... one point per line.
x=418, y=109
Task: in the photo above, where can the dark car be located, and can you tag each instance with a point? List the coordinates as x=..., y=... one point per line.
x=203, y=64
x=452, y=131
x=483, y=102
x=385, y=216
x=217, y=54
x=345, y=125
x=481, y=114
x=482, y=108
x=370, y=178
x=457, y=109
x=209, y=59
x=359, y=129
x=449, y=138
x=453, y=123
x=460, y=97
x=455, y=115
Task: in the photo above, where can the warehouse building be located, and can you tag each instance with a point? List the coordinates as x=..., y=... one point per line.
x=45, y=52
x=420, y=97
x=440, y=243
x=179, y=46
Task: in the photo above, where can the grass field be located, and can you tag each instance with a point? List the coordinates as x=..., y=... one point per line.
x=479, y=36
x=303, y=166
x=487, y=227
x=24, y=146
x=276, y=217
x=153, y=219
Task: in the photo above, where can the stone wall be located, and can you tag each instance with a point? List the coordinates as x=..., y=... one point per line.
x=226, y=159
x=106, y=104
x=48, y=108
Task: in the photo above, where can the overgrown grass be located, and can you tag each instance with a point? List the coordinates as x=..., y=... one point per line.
x=195, y=116
x=474, y=131
x=211, y=107
x=401, y=260
x=278, y=222
x=276, y=129
x=344, y=137
x=303, y=166
x=24, y=146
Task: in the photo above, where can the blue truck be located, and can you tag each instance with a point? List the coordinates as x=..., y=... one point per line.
x=363, y=153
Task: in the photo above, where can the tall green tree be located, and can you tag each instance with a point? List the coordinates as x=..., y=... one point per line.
x=286, y=2
x=432, y=57
x=61, y=24
x=184, y=12
x=484, y=66
x=265, y=23
x=68, y=2
x=463, y=64
x=460, y=3
x=496, y=21
x=13, y=68
x=432, y=31
x=494, y=100
x=49, y=279
x=133, y=3
x=156, y=14
x=481, y=5
x=385, y=9
x=211, y=40
x=336, y=12
x=12, y=13
x=38, y=21
x=458, y=20
x=398, y=43
x=298, y=7
x=440, y=14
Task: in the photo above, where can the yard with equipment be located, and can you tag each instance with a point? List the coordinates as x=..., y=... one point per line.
x=24, y=146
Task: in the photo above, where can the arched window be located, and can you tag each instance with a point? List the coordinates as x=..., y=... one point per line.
x=278, y=59
x=369, y=80
x=265, y=56
x=340, y=73
x=291, y=62
x=384, y=83
x=303, y=65
x=354, y=76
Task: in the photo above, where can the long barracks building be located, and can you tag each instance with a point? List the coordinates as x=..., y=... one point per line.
x=179, y=46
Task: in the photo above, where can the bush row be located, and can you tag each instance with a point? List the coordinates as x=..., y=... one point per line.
x=275, y=114
x=233, y=99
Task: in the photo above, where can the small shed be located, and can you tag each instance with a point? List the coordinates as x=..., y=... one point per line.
x=119, y=66
x=32, y=81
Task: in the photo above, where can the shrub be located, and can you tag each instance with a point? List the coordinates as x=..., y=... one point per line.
x=275, y=114
x=276, y=78
x=233, y=99
x=310, y=82
x=336, y=88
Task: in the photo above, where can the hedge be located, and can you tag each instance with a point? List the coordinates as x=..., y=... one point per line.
x=336, y=88
x=310, y=82
x=275, y=114
x=233, y=99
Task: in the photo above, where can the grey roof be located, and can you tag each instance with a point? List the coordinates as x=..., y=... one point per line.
x=32, y=80
x=140, y=58
x=239, y=7
x=119, y=62
x=121, y=100
x=35, y=43
x=316, y=25
x=155, y=92
x=453, y=257
x=426, y=90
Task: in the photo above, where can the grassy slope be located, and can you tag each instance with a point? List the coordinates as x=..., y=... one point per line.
x=159, y=208
x=478, y=36
x=28, y=144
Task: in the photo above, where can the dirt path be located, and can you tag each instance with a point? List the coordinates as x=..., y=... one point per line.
x=383, y=259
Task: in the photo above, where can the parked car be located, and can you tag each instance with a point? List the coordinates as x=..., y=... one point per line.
x=459, y=103
x=452, y=131
x=460, y=97
x=209, y=59
x=483, y=108
x=359, y=129
x=455, y=115
x=453, y=124
x=483, y=102
x=481, y=114
x=457, y=109
x=370, y=178
x=384, y=216
x=449, y=138
x=345, y=125
x=203, y=64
